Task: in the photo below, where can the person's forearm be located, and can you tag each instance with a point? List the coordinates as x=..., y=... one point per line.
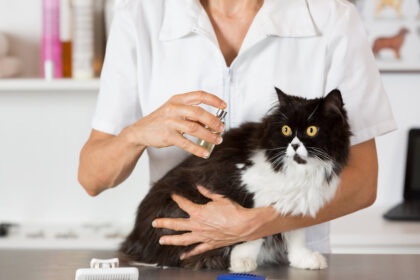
x=357, y=190
x=105, y=163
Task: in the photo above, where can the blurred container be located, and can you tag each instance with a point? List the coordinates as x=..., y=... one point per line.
x=100, y=36
x=51, y=45
x=66, y=37
x=83, y=39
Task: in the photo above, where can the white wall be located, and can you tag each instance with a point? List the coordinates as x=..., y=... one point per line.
x=41, y=135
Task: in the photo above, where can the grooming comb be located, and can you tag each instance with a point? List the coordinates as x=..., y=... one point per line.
x=107, y=270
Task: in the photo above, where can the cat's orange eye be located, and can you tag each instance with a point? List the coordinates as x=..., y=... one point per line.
x=286, y=130
x=312, y=131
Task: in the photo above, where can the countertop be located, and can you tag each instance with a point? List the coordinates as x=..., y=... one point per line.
x=62, y=264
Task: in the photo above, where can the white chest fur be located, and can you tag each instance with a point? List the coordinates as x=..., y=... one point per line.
x=298, y=189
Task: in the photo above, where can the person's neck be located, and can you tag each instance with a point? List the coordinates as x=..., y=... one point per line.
x=232, y=8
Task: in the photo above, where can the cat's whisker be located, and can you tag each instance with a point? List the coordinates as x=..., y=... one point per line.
x=276, y=157
x=325, y=157
x=321, y=156
x=278, y=151
x=279, y=161
x=315, y=148
x=278, y=148
x=322, y=160
x=280, y=157
x=319, y=152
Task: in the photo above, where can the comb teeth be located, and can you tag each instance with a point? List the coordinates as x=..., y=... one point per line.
x=122, y=273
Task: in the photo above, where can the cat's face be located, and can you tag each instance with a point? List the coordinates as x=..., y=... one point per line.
x=301, y=129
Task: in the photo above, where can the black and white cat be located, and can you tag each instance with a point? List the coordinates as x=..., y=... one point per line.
x=291, y=160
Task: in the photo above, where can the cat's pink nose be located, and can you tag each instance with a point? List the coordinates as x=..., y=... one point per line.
x=295, y=146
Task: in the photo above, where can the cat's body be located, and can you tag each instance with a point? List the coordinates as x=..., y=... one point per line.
x=256, y=165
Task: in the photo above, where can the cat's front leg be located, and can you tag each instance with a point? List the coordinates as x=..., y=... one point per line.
x=299, y=255
x=243, y=257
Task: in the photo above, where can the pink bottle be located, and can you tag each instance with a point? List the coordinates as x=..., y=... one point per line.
x=51, y=45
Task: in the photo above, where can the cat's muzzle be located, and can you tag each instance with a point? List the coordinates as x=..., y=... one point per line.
x=299, y=160
x=297, y=151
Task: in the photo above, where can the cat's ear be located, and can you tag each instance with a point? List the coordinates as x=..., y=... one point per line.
x=283, y=97
x=334, y=98
x=333, y=102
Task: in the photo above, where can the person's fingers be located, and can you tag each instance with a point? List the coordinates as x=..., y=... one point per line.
x=185, y=204
x=180, y=141
x=199, y=97
x=199, y=249
x=198, y=114
x=176, y=224
x=194, y=129
x=207, y=193
x=185, y=239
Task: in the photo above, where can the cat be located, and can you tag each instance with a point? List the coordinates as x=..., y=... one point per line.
x=291, y=159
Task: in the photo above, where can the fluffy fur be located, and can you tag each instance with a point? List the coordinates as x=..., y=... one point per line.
x=256, y=165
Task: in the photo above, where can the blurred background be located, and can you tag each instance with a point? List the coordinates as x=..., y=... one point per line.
x=50, y=60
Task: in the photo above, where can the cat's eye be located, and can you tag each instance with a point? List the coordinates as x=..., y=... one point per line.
x=286, y=130
x=312, y=131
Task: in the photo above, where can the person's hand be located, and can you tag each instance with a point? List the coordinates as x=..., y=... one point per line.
x=166, y=126
x=221, y=222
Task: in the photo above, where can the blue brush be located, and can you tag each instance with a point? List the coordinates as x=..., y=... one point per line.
x=241, y=276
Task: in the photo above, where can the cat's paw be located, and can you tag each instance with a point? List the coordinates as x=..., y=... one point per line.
x=243, y=265
x=306, y=259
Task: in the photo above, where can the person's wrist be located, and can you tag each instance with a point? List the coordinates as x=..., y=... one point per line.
x=131, y=138
x=259, y=221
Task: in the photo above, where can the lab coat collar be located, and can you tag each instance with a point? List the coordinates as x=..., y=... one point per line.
x=288, y=18
x=283, y=18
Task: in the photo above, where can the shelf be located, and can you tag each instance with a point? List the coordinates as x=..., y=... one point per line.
x=31, y=85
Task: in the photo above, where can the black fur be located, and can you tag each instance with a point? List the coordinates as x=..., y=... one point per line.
x=220, y=174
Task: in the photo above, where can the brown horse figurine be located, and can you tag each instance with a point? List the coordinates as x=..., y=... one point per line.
x=395, y=43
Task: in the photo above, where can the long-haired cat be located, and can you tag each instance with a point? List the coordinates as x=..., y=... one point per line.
x=291, y=160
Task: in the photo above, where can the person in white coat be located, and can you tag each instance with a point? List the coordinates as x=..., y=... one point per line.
x=165, y=57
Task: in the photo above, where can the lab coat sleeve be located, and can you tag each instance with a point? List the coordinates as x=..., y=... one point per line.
x=118, y=102
x=352, y=69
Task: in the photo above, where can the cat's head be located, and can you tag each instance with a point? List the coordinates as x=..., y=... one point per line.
x=299, y=129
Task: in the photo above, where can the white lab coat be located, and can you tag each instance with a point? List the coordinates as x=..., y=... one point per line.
x=158, y=48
